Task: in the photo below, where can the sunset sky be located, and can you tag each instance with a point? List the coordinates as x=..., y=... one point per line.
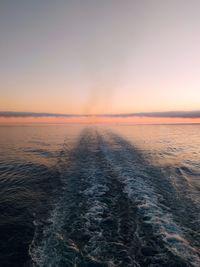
x=99, y=56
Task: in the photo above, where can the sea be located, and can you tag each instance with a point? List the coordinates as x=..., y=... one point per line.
x=99, y=195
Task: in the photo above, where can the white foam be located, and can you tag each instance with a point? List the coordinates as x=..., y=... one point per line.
x=139, y=188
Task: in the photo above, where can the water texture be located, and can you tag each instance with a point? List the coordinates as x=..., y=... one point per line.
x=123, y=196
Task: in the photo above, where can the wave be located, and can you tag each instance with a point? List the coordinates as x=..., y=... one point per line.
x=26, y=190
x=139, y=184
x=112, y=211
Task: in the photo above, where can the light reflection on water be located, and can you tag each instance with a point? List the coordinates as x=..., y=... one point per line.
x=39, y=144
x=33, y=159
x=165, y=145
x=174, y=148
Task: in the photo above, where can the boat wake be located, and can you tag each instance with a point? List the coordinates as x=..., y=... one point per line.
x=114, y=210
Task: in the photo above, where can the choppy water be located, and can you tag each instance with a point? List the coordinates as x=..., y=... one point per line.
x=96, y=196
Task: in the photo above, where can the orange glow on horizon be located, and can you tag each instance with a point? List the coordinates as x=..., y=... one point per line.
x=96, y=120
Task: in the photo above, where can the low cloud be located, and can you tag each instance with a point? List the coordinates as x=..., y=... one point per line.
x=11, y=114
x=168, y=114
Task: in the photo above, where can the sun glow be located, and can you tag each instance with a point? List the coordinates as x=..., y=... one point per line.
x=95, y=120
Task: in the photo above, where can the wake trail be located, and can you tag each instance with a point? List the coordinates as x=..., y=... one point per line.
x=109, y=213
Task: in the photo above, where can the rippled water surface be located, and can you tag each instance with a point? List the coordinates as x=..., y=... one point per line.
x=73, y=195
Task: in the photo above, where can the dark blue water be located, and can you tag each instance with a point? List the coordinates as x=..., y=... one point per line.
x=123, y=196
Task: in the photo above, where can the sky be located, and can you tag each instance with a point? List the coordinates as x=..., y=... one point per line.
x=99, y=56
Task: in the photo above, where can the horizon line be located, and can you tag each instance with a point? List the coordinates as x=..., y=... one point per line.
x=195, y=114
